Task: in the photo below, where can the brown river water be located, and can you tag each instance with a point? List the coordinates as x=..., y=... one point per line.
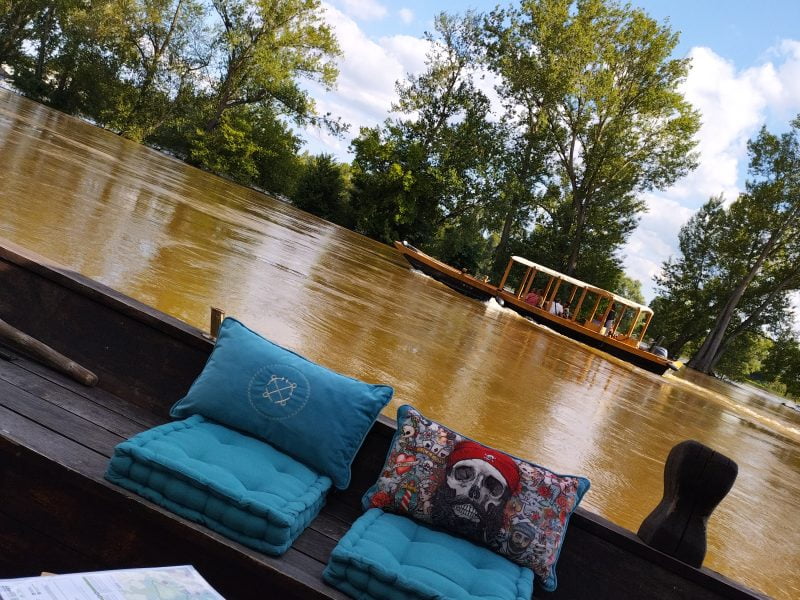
x=183, y=240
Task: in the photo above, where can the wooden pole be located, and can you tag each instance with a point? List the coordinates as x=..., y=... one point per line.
x=580, y=303
x=646, y=325
x=505, y=275
x=633, y=323
x=217, y=316
x=37, y=350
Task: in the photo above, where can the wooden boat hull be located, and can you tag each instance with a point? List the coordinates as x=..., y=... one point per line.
x=57, y=513
x=452, y=278
x=483, y=291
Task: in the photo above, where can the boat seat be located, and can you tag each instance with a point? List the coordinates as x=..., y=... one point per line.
x=230, y=482
x=390, y=557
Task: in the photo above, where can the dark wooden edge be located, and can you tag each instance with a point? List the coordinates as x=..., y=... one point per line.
x=104, y=295
x=626, y=540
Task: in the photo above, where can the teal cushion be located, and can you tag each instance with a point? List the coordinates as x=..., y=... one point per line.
x=309, y=412
x=388, y=557
x=232, y=483
x=515, y=507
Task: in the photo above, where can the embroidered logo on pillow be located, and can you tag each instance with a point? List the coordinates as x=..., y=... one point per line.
x=516, y=508
x=278, y=392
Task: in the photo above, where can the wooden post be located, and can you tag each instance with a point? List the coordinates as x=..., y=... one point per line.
x=580, y=303
x=696, y=479
x=633, y=323
x=646, y=324
x=217, y=316
x=594, y=308
x=572, y=295
x=531, y=276
x=555, y=291
x=37, y=350
x=505, y=275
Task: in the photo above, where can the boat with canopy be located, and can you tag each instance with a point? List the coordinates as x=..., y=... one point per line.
x=574, y=308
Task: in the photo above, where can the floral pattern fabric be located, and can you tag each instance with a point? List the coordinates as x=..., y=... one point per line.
x=516, y=508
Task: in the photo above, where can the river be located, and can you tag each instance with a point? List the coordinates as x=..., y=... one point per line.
x=183, y=240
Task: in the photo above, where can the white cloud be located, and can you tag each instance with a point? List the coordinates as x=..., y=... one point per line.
x=368, y=71
x=406, y=15
x=367, y=10
x=733, y=106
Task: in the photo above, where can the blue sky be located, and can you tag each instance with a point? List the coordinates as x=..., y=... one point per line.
x=746, y=72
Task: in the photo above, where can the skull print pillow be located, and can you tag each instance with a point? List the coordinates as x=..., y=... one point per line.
x=516, y=508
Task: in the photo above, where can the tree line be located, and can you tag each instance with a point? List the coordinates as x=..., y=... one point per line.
x=534, y=130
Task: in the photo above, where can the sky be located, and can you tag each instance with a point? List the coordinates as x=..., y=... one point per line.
x=745, y=73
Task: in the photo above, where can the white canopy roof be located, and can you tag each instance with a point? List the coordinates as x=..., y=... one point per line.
x=581, y=284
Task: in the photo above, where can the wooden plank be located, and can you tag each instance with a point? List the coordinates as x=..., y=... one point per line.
x=112, y=402
x=78, y=406
x=24, y=435
x=138, y=353
x=57, y=419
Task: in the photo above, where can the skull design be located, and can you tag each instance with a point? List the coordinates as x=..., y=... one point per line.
x=475, y=490
x=522, y=535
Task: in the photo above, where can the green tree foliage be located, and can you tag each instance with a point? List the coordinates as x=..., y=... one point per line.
x=16, y=22
x=594, y=89
x=688, y=285
x=262, y=49
x=760, y=245
x=217, y=82
x=322, y=189
x=782, y=364
x=427, y=171
x=738, y=265
x=629, y=288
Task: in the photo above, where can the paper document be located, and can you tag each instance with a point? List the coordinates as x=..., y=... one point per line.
x=159, y=583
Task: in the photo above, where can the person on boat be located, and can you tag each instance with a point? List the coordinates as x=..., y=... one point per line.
x=556, y=308
x=567, y=313
x=532, y=297
x=612, y=316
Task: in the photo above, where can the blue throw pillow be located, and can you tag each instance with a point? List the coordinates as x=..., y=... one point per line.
x=312, y=413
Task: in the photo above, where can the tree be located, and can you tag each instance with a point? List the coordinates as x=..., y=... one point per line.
x=322, y=189
x=165, y=46
x=761, y=242
x=782, y=364
x=629, y=288
x=16, y=20
x=590, y=84
x=687, y=288
x=264, y=47
x=425, y=171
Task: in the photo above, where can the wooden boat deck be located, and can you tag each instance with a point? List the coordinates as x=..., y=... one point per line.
x=57, y=512
x=47, y=420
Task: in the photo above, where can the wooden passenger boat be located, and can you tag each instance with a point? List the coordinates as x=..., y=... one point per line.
x=58, y=513
x=589, y=306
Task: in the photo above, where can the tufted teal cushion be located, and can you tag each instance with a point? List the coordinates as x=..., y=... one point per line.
x=234, y=484
x=389, y=557
x=316, y=415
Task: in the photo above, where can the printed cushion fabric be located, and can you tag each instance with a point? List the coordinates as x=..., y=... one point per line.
x=389, y=557
x=312, y=413
x=232, y=483
x=518, y=509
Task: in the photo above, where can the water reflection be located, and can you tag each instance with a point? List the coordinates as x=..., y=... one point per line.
x=183, y=240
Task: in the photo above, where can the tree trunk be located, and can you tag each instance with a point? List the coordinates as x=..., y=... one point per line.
x=576, y=235
x=47, y=27
x=499, y=252
x=704, y=360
